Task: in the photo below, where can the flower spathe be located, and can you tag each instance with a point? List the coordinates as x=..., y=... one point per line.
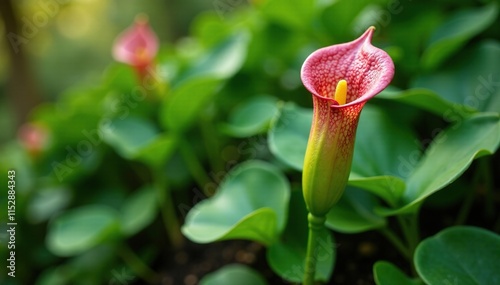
x=137, y=45
x=341, y=79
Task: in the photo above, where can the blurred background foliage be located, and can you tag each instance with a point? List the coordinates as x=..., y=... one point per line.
x=233, y=62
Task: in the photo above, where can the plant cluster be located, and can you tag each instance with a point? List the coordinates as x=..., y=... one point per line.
x=205, y=140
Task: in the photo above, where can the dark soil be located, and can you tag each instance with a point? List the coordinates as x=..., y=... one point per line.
x=355, y=257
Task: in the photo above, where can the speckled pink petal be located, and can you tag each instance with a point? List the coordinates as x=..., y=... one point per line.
x=367, y=70
x=137, y=45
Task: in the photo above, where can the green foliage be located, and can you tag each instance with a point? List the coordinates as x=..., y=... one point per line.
x=250, y=204
x=385, y=273
x=289, y=133
x=134, y=216
x=354, y=213
x=459, y=255
x=455, y=32
x=81, y=229
x=252, y=117
x=217, y=131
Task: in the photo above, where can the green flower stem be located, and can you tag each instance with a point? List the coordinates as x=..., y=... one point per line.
x=316, y=224
x=396, y=241
x=138, y=266
x=194, y=165
x=409, y=225
x=167, y=209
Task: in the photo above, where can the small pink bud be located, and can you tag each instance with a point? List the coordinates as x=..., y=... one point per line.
x=34, y=138
x=137, y=45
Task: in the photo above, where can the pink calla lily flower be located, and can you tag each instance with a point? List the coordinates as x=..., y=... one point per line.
x=137, y=45
x=341, y=78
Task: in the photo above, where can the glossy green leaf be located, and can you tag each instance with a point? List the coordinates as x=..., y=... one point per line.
x=449, y=155
x=184, y=104
x=252, y=117
x=81, y=229
x=232, y=273
x=455, y=32
x=460, y=256
x=354, y=213
x=128, y=136
x=470, y=83
x=251, y=203
x=425, y=99
x=289, y=134
x=287, y=256
x=139, y=210
x=222, y=61
x=386, y=273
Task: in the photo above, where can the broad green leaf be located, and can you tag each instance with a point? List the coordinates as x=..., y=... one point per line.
x=85, y=268
x=287, y=256
x=81, y=229
x=449, y=155
x=381, y=143
x=47, y=202
x=460, y=255
x=427, y=100
x=128, y=136
x=354, y=213
x=223, y=61
x=386, y=273
x=289, y=134
x=232, y=273
x=158, y=150
x=139, y=210
x=251, y=203
x=184, y=104
x=252, y=117
x=455, y=32
x=389, y=188
x=470, y=83
x=120, y=77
